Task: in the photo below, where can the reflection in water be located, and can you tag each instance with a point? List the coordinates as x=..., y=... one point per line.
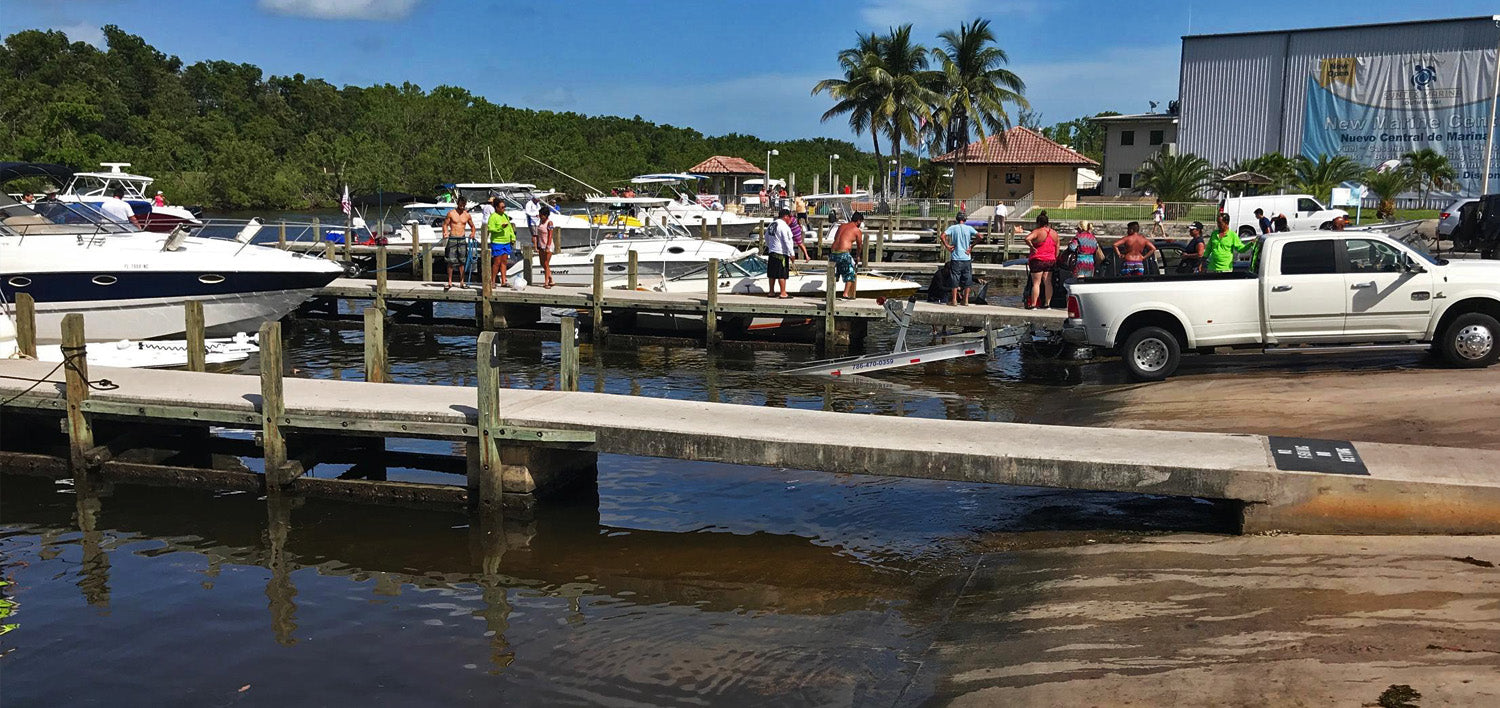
x=279, y=589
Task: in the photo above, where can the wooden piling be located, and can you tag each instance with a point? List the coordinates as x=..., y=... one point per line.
x=597, y=297
x=487, y=276
x=528, y=257
x=329, y=252
x=196, y=349
x=711, y=313
x=76, y=374
x=381, y=259
x=485, y=478
x=567, y=375
x=281, y=235
x=830, y=299
x=702, y=228
x=416, y=253
x=633, y=271
x=427, y=258
x=317, y=232
x=879, y=246
x=719, y=232
x=272, y=406
x=26, y=324
x=377, y=369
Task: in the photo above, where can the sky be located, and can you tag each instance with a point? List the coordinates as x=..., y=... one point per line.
x=718, y=67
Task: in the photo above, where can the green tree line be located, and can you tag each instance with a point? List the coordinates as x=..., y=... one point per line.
x=225, y=135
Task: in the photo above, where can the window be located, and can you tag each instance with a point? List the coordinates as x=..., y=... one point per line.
x=1308, y=258
x=1158, y=137
x=1365, y=256
x=1127, y=180
x=1127, y=137
x=1308, y=205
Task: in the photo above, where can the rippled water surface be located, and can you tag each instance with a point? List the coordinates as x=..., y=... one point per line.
x=683, y=583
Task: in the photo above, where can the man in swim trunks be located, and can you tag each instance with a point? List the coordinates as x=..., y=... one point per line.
x=458, y=226
x=959, y=240
x=846, y=242
x=1132, y=250
x=502, y=236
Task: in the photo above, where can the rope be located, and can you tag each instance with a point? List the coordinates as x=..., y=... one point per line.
x=70, y=354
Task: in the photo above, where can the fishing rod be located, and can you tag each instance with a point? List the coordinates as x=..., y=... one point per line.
x=591, y=187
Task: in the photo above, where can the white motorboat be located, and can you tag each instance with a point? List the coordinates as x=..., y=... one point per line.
x=131, y=284
x=138, y=354
x=692, y=212
x=747, y=276
x=92, y=188
x=662, y=248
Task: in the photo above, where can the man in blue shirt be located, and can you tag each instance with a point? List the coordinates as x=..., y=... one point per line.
x=959, y=238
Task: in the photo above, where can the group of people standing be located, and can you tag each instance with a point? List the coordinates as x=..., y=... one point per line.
x=460, y=225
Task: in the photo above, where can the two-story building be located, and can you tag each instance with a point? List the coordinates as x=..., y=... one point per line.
x=1128, y=142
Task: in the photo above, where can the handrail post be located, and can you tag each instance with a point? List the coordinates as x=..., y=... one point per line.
x=272, y=406
x=76, y=374
x=598, y=298
x=711, y=312
x=567, y=378
x=376, y=366
x=26, y=324
x=197, y=356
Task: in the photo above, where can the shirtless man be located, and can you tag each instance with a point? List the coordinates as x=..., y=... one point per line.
x=458, y=226
x=1132, y=250
x=847, y=241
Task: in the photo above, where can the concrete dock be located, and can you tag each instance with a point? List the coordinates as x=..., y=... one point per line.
x=1401, y=489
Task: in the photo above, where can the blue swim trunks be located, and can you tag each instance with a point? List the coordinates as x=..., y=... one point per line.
x=499, y=249
x=843, y=265
x=1133, y=268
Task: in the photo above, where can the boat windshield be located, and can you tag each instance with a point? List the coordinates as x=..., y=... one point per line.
x=47, y=216
x=98, y=185
x=752, y=266
x=427, y=213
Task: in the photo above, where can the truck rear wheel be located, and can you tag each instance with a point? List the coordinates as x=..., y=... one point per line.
x=1151, y=354
x=1472, y=340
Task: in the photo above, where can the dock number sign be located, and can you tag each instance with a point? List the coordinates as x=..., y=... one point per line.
x=1309, y=455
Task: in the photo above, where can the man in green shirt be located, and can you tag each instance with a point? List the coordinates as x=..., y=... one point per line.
x=1218, y=255
x=502, y=235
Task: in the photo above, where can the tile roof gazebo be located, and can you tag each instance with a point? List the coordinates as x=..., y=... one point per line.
x=1021, y=163
x=721, y=167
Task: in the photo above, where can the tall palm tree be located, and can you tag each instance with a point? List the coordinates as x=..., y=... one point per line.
x=902, y=73
x=1319, y=177
x=859, y=93
x=974, y=85
x=1174, y=178
x=1430, y=168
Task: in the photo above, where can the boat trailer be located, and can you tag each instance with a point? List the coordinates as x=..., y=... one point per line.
x=983, y=342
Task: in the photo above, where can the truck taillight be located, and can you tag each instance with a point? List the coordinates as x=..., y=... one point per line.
x=1074, y=310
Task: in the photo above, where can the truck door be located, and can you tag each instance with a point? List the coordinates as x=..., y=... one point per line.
x=1389, y=295
x=1304, y=292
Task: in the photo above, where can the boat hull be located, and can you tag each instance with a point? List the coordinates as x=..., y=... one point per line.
x=154, y=318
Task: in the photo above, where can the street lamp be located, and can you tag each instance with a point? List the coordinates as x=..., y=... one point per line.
x=769, y=153
x=832, y=188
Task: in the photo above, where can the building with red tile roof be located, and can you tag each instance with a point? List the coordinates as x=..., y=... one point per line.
x=1014, y=165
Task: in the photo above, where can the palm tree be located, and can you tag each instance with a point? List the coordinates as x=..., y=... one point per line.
x=858, y=93
x=1430, y=170
x=1174, y=178
x=902, y=73
x=1387, y=185
x=974, y=86
x=1319, y=177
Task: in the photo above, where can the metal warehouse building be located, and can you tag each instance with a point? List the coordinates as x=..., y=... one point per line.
x=1372, y=92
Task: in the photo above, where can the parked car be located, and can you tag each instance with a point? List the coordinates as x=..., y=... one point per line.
x=1448, y=219
x=1302, y=211
x=1306, y=288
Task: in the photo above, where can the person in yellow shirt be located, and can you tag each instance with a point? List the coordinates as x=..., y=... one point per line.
x=502, y=237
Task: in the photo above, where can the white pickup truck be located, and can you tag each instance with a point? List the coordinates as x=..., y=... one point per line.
x=1305, y=291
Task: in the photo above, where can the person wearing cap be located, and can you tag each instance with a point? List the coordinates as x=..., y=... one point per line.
x=159, y=200
x=1192, y=253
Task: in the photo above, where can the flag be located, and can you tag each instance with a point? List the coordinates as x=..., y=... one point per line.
x=344, y=203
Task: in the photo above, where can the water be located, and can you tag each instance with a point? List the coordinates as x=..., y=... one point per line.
x=685, y=584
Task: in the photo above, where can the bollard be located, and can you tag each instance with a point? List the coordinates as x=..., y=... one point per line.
x=633, y=271
x=272, y=406
x=76, y=372
x=567, y=375
x=416, y=253
x=598, y=298
x=485, y=478
x=830, y=296
x=376, y=366
x=281, y=235
x=711, y=312
x=196, y=354
x=26, y=325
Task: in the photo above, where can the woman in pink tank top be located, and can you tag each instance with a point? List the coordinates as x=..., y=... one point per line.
x=1043, y=242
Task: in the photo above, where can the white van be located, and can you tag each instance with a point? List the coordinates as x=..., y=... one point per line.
x=1302, y=211
x=750, y=191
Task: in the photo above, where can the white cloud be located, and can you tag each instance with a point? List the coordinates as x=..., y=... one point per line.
x=84, y=32
x=342, y=9
x=880, y=14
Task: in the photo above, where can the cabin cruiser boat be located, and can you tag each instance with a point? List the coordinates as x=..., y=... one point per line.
x=664, y=248
x=131, y=284
x=93, y=188
x=843, y=206
x=692, y=212
x=428, y=216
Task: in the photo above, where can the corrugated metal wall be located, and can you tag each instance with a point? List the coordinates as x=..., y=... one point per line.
x=1245, y=95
